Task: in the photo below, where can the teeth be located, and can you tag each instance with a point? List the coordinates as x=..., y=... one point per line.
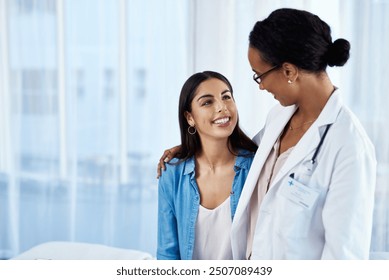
x=222, y=121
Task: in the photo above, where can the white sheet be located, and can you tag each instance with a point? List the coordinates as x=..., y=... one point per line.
x=80, y=251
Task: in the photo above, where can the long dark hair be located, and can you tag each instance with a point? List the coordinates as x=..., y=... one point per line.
x=190, y=144
x=298, y=37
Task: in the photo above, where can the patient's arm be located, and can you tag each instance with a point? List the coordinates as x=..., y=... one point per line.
x=168, y=247
x=166, y=157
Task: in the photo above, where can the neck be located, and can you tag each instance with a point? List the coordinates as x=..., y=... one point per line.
x=214, y=154
x=315, y=96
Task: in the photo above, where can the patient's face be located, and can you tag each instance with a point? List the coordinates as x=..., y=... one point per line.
x=214, y=112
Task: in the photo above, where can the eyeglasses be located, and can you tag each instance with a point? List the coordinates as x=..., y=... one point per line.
x=258, y=78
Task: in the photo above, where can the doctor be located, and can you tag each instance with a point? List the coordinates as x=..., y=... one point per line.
x=310, y=190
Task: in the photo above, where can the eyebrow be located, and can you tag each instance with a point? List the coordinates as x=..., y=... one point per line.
x=210, y=95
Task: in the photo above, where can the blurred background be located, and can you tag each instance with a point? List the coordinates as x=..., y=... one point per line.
x=88, y=102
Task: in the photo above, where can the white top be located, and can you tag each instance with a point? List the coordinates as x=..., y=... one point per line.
x=272, y=166
x=212, y=233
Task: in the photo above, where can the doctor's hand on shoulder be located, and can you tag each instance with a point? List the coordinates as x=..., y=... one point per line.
x=167, y=156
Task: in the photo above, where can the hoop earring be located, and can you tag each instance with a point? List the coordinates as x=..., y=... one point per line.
x=193, y=131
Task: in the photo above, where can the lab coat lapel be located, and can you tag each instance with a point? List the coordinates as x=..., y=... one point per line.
x=273, y=131
x=240, y=222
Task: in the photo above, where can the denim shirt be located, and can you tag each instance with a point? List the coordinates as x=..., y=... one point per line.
x=178, y=205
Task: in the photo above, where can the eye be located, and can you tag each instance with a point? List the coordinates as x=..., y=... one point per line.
x=206, y=102
x=227, y=96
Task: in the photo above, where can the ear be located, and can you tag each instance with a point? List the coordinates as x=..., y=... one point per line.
x=290, y=71
x=189, y=118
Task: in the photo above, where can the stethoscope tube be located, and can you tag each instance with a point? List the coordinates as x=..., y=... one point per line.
x=313, y=160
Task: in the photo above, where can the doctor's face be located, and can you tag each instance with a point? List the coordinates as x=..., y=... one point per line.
x=214, y=112
x=271, y=77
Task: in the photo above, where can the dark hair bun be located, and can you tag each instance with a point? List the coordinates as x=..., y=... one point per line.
x=338, y=53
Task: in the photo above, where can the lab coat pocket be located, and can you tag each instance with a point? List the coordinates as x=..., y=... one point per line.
x=296, y=205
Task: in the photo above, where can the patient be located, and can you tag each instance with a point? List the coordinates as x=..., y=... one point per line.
x=200, y=189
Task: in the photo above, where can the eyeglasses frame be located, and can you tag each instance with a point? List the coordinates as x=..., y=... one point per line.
x=260, y=77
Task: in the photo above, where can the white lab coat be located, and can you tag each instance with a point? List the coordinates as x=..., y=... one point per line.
x=334, y=220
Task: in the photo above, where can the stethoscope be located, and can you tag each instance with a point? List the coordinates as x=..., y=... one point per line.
x=313, y=161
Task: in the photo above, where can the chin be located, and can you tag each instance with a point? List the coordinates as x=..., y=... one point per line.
x=225, y=135
x=284, y=103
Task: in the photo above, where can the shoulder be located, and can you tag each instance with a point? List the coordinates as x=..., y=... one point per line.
x=349, y=140
x=350, y=129
x=244, y=159
x=346, y=126
x=175, y=169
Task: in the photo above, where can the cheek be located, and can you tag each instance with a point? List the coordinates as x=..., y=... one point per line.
x=232, y=108
x=234, y=112
x=200, y=118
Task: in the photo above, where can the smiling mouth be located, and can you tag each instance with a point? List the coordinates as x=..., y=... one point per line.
x=222, y=120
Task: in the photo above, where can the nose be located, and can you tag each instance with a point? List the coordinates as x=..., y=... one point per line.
x=221, y=106
x=261, y=87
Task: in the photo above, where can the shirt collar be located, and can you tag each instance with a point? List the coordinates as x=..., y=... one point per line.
x=189, y=166
x=242, y=161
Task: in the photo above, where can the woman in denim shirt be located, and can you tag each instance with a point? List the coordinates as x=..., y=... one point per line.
x=200, y=189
